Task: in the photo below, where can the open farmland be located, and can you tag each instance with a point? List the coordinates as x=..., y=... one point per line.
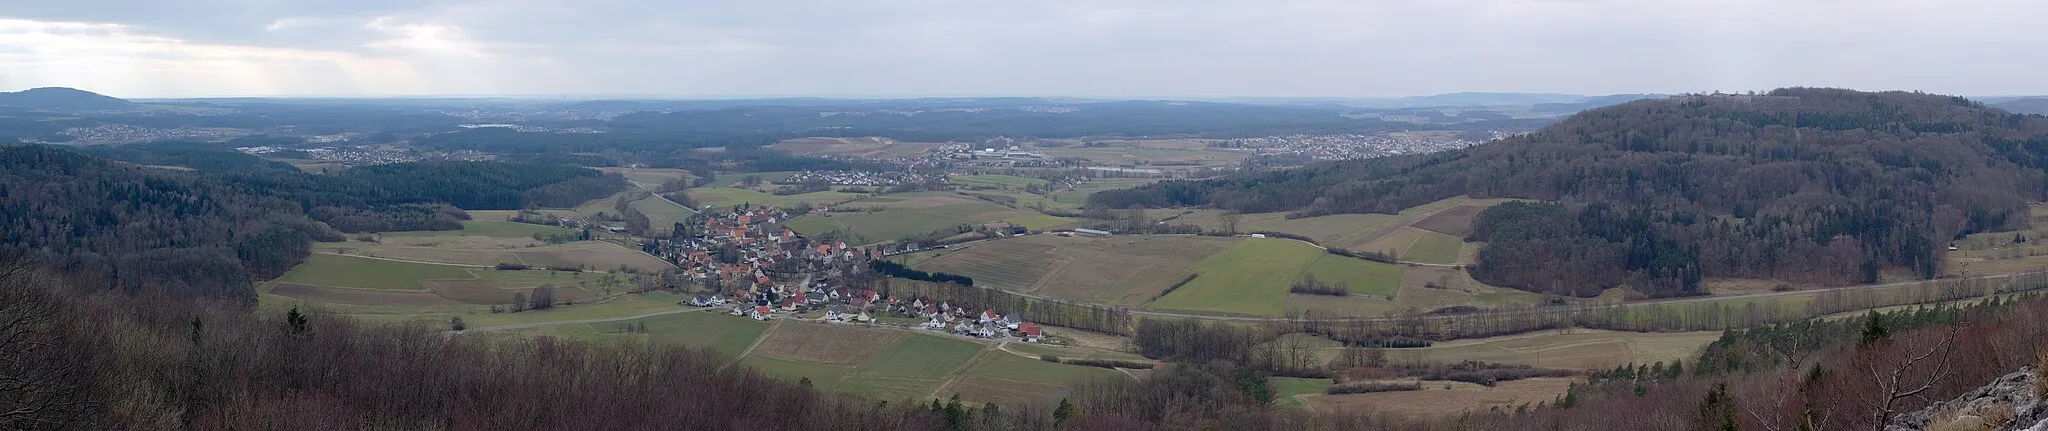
x=1434, y=247
x=1250, y=278
x=365, y=273
x=1364, y=232
x=1575, y=349
x=1011, y=181
x=887, y=364
x=358, y=296
x=590, y=254
x=729, y=196
x=436, y=254
x=1421, y=289
x=1117, y=270
x=896, y=216
x=1434, y=400
x=825, y=344
x=1361, y=277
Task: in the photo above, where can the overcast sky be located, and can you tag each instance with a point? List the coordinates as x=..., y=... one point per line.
x=1093, y=48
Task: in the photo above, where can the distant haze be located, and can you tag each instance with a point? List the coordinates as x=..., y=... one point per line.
x=1080, y=48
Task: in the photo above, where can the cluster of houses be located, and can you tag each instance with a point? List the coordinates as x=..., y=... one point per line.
x=841, y=305
x=737, y=248
x=863, y=178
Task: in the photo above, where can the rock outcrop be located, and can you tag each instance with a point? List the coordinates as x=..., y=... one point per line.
x=2008, y=403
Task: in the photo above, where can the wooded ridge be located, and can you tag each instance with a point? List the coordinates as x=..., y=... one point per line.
x=1810, y=185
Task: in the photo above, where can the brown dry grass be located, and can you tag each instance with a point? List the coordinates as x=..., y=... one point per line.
x=601, y=256
x=825, y=344
x=1576, y=349
x=2041, y=377
x=1396, y=241
x=339, y=295
x=1988, y=417
x=1456, y=221
x=1433, y=400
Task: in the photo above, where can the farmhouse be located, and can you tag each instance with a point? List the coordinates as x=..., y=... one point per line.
x=1031, y=332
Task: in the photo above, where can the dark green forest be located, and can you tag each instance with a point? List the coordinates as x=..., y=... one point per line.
x=1802, y=184
x=210, y=234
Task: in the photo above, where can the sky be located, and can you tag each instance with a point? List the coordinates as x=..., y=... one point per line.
x=1079, y=48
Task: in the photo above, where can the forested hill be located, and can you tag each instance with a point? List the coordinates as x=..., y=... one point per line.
x=206, y=234
x=1802, y=184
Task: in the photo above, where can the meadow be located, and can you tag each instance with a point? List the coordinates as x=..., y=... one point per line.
x=1250, y=278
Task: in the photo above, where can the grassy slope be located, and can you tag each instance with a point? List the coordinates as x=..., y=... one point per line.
x=1434, y=248
x=1360, y=276
x=365, y=273
x=490, y=228
x=1249, y=278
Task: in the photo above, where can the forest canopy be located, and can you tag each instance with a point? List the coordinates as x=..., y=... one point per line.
x=210, y=234
x=1801, y=184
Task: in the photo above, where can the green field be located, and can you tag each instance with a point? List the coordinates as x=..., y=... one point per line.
x=660, y=212
x=504, y=229
x=1361, y=277
x=997, y=180
x=1434, y=248
x=1017, y=368
x=822, y=376
x=365, y=273
x=1285, y=388
x=920, y=357
x=726, y=334
x=1250, y=278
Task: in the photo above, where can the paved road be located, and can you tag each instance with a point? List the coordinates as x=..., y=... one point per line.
x=574, y=322
x=663, y=198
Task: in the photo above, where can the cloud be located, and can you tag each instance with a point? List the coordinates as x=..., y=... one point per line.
x=424, y=38
x=1074, y=47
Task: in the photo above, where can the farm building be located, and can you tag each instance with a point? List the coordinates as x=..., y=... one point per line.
x=1085, y=231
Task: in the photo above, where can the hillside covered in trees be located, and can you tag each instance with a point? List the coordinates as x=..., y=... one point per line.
x=1803, y=184
x=207, y=234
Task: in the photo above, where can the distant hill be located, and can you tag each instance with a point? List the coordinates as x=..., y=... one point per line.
x=59, y=98
x=2025, y=105
x=1487, y=99
x=1591, y=102
x=1810, y=185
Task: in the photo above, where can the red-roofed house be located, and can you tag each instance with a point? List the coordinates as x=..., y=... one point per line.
x=989, y=316
x=761, y=312
x=1031, y=331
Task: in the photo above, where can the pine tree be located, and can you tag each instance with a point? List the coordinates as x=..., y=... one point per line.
x=1874, y=327
x=1065, y=411
x=297, y=322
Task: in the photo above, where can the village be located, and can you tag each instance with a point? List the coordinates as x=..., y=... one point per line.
x=757, y=269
